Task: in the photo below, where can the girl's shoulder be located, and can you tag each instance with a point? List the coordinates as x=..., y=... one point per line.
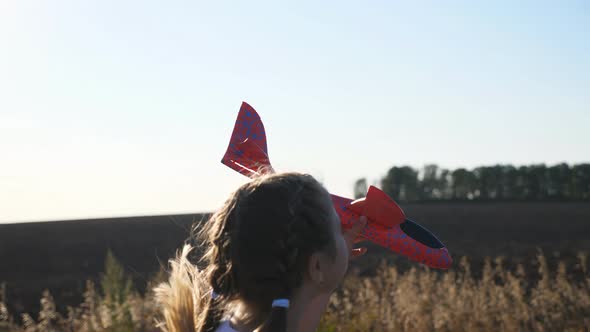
x=225, y=327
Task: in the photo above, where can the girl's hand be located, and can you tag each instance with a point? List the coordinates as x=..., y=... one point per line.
x=351, y=237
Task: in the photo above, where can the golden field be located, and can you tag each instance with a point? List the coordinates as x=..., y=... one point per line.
x=419, y=299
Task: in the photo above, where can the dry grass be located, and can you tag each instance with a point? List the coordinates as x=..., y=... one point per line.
x=96, y=313
x=424, y=300
x=417, y=300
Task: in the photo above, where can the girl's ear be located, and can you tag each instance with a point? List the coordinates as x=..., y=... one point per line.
x=316, y=267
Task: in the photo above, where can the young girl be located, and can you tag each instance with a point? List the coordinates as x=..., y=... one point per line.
x=274, y=253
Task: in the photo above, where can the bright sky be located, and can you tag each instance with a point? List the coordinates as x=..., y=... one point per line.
x=116, y=108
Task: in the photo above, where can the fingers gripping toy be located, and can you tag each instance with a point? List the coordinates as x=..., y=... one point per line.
x=387, y=224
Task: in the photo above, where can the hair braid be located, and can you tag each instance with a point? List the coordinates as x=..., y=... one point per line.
x=300, y=228
x=288, y=245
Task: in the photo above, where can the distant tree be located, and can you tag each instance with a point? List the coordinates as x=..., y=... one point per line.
x=509, y=182
x=360, y=188
x=429, y=182
x=464, y=184
x=559, y=181
x=536, y=182
x=444, y=184
x=497, y=182
x=481, y=177
x=521, y=189
x=581, y=181
x=401, y=183
x=489, y=179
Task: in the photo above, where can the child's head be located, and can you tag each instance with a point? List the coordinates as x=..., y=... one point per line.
x=273, y=236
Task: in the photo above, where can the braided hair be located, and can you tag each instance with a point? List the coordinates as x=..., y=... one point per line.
x=256, y=249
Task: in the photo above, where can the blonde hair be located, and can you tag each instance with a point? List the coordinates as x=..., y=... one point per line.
x=181, y=294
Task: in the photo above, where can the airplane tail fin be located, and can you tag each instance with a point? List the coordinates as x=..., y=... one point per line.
x=247, y=152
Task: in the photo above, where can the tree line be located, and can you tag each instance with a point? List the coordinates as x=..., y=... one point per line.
x=536, y=182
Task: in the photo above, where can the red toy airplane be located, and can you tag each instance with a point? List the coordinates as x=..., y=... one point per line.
x=387, y=224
